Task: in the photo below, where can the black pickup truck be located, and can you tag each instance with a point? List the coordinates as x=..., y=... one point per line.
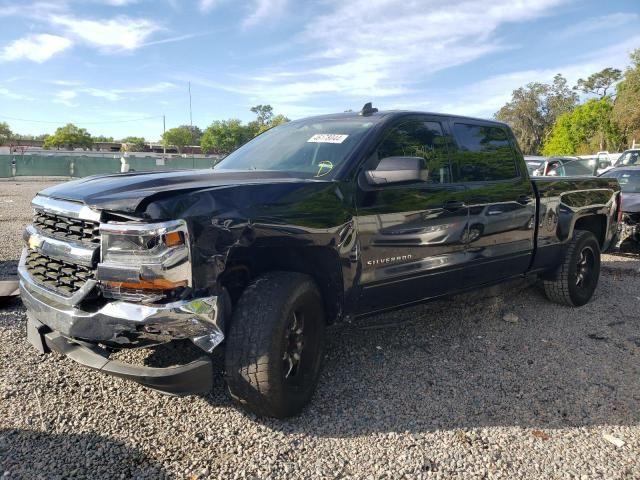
x=313, y=221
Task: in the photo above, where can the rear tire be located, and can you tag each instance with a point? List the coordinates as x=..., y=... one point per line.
x=577, y=277
x=275, y=345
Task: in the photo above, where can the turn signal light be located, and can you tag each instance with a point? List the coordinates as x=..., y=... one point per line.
x=173, y=239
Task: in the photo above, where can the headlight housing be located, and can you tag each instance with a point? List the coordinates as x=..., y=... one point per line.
x=144, y=262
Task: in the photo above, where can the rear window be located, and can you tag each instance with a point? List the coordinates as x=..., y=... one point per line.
x=484, y=154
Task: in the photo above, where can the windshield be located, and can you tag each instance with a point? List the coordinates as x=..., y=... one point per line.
x=311, y=147
x=628, y=158
x=629, y=180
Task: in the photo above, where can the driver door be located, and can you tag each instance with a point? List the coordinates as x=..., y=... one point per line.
x=411, y=236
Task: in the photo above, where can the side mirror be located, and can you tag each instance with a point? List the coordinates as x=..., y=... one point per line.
x=393, y=170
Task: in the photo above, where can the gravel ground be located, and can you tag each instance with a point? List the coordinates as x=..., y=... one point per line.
x=445, y=390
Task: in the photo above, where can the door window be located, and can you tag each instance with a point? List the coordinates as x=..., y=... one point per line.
x=417, y=138
x=484, y=154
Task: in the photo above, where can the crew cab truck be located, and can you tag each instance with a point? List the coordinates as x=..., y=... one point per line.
x=312, y=221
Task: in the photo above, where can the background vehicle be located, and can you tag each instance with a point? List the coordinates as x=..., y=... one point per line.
x=567, y=167
x=629, y=179
x=628, y=158
x=310, y=222
x=533, y=163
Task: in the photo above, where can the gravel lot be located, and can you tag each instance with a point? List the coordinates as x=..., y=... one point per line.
x=445, y=390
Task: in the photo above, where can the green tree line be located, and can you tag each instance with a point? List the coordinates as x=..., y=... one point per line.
x=551, y=119
x=222, y=136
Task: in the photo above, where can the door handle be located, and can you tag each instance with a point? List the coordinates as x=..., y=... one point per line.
x=453, y=205
x=524, y=199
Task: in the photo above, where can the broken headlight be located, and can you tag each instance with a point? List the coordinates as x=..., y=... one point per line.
x=144, y=262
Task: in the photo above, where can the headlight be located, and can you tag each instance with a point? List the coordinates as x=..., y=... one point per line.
x=144, y=262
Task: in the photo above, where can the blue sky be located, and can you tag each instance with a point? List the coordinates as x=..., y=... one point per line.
x=116, y=66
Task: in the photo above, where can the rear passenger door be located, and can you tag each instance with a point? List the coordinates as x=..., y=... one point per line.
x=500, y=198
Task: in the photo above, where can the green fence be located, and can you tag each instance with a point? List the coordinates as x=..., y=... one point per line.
x=5, y=166
x=32, y=166
x=85, y=166
x=82, y=165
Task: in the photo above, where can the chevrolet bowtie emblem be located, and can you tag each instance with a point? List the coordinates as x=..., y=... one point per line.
x=34, y=242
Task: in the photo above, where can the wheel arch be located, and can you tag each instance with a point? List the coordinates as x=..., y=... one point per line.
x=322, y=264
x=594, y=223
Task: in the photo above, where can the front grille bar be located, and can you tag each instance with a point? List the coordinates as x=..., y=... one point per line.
x=63, y=247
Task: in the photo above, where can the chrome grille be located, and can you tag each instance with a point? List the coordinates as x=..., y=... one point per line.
x=61, y=277
x=66, y=228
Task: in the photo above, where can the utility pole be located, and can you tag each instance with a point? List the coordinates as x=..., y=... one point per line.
x=164, y=143
x=191, y=118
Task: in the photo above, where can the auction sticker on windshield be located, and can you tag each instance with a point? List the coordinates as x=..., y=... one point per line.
x=327, y=138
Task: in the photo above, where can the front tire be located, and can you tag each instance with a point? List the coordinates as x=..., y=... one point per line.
x=275, y=344
x=577, y=277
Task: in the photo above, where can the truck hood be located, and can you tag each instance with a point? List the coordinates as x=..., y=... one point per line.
x=125, y=192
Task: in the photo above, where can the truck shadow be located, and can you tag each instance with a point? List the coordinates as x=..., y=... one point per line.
x=456, y=364
x=28, y=453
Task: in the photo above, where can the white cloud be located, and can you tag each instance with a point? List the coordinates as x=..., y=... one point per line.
x=64, y=97
x=9, y=10
x=119, y=3
x=207, y=5
x=598, y=24
x=66, y=83
x=115, y=94
x=177, y=38
x=12, y=95
x=154, y=88
x=485, y=97
x=116, y=33
x=37, y=48
x=259, y=11
x=383, y=48
x=263, y=10
x=102, y=93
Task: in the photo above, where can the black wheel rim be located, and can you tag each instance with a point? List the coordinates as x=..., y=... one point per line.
x=585, y=267
x=294, y=346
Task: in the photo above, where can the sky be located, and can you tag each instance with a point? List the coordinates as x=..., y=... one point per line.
x=115, y=67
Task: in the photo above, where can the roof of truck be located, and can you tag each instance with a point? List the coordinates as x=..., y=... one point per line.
x=385, y=114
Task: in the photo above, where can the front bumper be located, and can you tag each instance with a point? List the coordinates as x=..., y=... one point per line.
x=76, y=333
x=194, y=377
x=123, y=324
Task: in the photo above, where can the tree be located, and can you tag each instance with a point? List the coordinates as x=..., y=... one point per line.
x=599, y=82
x=278, y=120
x=179, y=137
x=69, y=136
x=533, y=110
x=5, y=133
x=264, y=114
x=102, y=138
x=224, y=136
x=626, y=111
x=265, y=119
x=588, y=128
x=19, y=136
x=196, y=134
x=133, y=144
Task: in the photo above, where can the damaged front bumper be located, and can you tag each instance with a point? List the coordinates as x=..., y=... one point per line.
x=76, y=332
x=194, y=377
